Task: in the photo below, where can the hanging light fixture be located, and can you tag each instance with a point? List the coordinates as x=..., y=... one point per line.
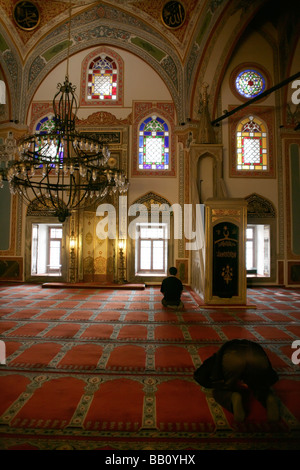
x=62, y=169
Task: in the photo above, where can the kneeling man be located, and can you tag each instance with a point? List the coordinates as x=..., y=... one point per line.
x=172, y=289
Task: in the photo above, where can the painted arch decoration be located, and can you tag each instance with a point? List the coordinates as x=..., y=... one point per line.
x=127, y=33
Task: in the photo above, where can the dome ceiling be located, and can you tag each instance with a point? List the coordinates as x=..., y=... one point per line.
x=181, y=21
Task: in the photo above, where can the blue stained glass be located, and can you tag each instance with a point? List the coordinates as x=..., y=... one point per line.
x=154, y=142
x=50, y=151
x=250, y=83
x=45, y=125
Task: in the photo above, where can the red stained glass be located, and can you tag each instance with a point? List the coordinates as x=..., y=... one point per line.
x=104, y=78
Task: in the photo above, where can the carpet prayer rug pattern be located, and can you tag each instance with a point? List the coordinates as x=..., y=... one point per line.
x=90, y=368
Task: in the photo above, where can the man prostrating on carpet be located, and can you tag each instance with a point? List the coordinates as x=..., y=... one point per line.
x=239, y=366
x=172, y=288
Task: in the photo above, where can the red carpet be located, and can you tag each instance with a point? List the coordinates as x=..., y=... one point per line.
x=112, y=369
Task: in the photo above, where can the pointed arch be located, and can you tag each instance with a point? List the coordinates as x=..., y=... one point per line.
x=151, y=198
x=259, y=207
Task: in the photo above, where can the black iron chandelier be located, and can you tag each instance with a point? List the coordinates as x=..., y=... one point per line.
x=62, y=169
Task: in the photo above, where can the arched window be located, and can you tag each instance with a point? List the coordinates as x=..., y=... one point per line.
x=102, y=79
x=154, y=144
x=251, y=145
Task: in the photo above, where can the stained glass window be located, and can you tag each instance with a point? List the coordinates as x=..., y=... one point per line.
x=45, y=125
x=250, y=83
x=154, y=144
x=102, y=79
x=251, y=144
x=48, y=147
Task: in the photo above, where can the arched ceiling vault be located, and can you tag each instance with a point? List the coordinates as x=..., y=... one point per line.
x=134, y=25
x=185, y=57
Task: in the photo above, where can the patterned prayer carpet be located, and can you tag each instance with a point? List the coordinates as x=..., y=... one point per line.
x=112, y=369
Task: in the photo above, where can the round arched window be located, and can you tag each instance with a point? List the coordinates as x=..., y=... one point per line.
x=250, y=83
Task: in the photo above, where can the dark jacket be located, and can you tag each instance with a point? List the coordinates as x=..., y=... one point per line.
x=172, y=288
x=210, y=373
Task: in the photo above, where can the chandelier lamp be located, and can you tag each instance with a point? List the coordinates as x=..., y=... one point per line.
x=62, y=169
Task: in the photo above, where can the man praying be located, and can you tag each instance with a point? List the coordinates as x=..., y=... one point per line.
x=172, y=288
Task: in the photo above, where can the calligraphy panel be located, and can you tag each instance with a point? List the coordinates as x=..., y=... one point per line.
x=225, y=260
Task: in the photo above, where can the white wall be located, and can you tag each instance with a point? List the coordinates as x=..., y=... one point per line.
x=141, y=82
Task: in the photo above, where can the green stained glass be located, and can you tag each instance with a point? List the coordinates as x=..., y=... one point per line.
x=48, y=149
x=154, y=144
x=251, y=142
x=46, y=125
x=154, y=126
x=250, y=83
x=102, y=79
